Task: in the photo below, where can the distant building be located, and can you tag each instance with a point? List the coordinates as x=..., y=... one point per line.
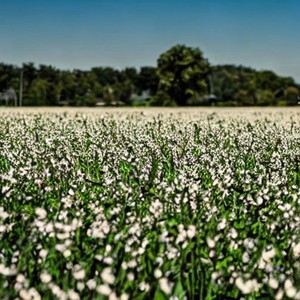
x=102, y=102
x=279, y=94
x=9, y=96
x=209, y=99
x=64, y=103
x=141, y=98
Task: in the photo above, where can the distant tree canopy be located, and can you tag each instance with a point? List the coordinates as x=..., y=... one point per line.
x=181, y=76
x=238, y=85
x=182, y=73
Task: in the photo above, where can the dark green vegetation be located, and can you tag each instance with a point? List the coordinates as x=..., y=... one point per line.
x=147, y=206
x=182, y=77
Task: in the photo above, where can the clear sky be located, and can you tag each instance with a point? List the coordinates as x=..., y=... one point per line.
x=82, y=34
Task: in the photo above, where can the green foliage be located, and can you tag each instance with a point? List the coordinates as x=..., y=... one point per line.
x=147, y=80
x=182, y=73
x=265, y=97
x=162, y=98
x=182, y=77
x=238, y=85
x=291, y=95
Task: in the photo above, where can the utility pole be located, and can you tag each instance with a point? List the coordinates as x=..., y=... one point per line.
x=21, y=88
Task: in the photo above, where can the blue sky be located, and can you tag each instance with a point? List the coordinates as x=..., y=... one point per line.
x=82, y=34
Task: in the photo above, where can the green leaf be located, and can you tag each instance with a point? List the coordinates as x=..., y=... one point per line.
x=178, y=290
x=159, y=295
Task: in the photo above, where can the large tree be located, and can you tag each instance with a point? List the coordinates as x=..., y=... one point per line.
x=182, y=73
x=147, y=80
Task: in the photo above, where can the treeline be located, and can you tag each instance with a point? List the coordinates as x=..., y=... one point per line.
x=47, y=85
x=238, y=85
x=182, y=77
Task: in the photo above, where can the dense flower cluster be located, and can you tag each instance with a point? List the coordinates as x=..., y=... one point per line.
x=183, y=204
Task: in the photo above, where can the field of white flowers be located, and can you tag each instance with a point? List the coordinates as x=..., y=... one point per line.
x=129, y=204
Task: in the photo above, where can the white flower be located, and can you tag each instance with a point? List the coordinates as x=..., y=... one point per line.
x=279, y=294
x=103, y=289
x=67, y=253
x=5, y=189
x=248, y=286
x=45, y=277
x=130, y=276
x=6, y=271
x=222, y=224
x=215, y=275
x=91, y=284
x=291, y=292
x=245, y=257
x=18, y=286
x=212, y=253
x=191, y=231
x=165, y=285
x=297, y=296
x=260, y=201
x=24, y=294
x=41, y=213
x=20, y=278
x=43, y=253
x=144, y=286
x=268, y=255
x=108, y=260
x=99, y=229
x=124, y=297
x=3, y=213
x=107, y=276
x=289, y=289
x=296, y=250
x=156, y=208
x=157, y=273
x=249, y=243
x=211, y=243
x=181, y=236
x=31, y=294
x=273, y=283
x=56, y=290
x=233, y=233
x=78, y=272
x=60, y=247
x=73, y=295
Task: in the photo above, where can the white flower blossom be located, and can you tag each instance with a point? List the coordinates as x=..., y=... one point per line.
x=41, y=213
x=248, y=286
x=78, y=272
x=107, y=276
x=45, y=277
x=165, y=285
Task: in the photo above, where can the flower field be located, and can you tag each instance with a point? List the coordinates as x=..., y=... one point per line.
x=129, y=204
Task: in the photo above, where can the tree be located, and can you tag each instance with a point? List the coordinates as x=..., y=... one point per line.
x=106, y=75
x=69, y=85
x=37, y=93
x=291, y=95
x=265, y=97
x=147, y=79
x=54, y=87
x=9, y=77
x=182, y=73
x=30, y=74
x=130, y=74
